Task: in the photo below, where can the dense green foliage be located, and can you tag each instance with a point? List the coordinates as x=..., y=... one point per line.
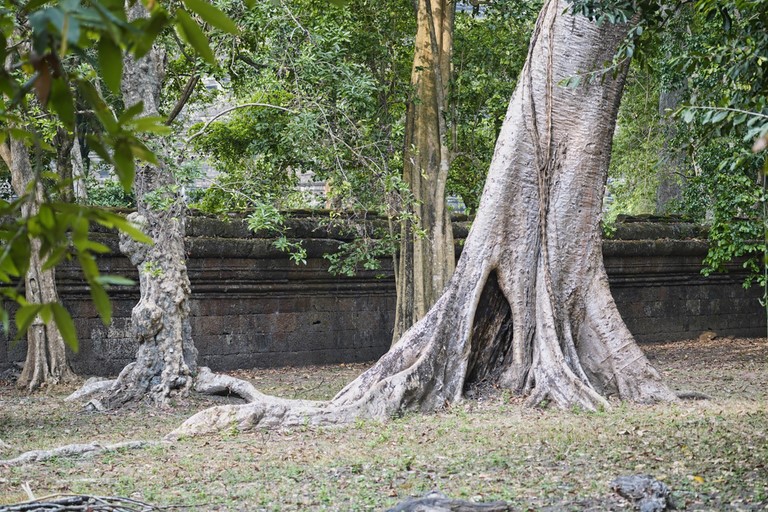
x=633, y=174
x=62, y=61
x=726, y=62
x=324, y=92
x=338, y=76
x=714, y=57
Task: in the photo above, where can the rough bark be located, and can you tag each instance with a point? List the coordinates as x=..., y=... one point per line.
x=73, y=450
x=427, y=257
x=166, y=359
x=66, y=145
x=46, y=363
x=437, y=502
x=671, y=158
x=528, y=307
x=80, y=194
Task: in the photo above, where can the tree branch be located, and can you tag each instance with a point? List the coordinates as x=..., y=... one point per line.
x=186, y=92
x=230, y=109
x=73, y=450
x=728, y=109
x=245, y=58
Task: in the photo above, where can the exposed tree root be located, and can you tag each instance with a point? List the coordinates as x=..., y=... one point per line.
x=80, y=502
x=206, y=382
x=91, y=387
x=438, y=502
x=73, y=450
x=209, y=383
x=693, y=395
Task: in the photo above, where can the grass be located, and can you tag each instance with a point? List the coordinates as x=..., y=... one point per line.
x=713, y=454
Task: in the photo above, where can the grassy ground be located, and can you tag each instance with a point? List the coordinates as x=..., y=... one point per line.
x=713, y=454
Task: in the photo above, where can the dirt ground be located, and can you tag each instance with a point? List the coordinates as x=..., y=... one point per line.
x=712, y=453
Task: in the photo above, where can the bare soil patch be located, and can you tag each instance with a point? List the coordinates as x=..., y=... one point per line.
x=713, y=453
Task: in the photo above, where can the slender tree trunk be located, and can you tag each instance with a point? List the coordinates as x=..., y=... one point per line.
x=46, y=362
x=166, y=360
x=65, y=144
x=671, y=157
x=427, y=257
x=528, y=307
x=80, y=194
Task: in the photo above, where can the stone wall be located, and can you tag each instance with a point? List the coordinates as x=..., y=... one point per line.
x=251, y=306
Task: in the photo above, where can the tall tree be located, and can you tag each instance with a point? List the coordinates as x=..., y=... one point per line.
x=529, y=307
x=46, y=362
x=41, y=45
x=166, y=359
x=426, y=259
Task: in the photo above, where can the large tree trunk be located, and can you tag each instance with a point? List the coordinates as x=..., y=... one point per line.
x=427, y=256
x=166, y=360
x=528, y=307
x=46, y=362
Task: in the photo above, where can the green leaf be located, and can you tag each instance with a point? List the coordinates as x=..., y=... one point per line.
x=135, y=233
x=149, y=29
x=100, y=108
x=131, y=112
x=141, y=152
x=96, y=145
x=109, y=280
x=719, y=116
x=8, y=266
x=65, y=325
x=55, y=257
x=130, y=229
x=61, y=101
x=34, y=4
x=20, y=255
x=111, y=63
x=91, y=246
x=212, y=15
x=194, y=35
x=45, y=313
x=151, y=124
x=25, y=315
x=88, y=266
x=46, y=216
x=72, y=28
x=101, y=301
x=125, y=165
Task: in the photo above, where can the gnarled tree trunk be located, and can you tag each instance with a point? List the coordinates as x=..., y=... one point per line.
x=528, y=307
x=46, y=362
x=427, y=257
x=166, y=360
